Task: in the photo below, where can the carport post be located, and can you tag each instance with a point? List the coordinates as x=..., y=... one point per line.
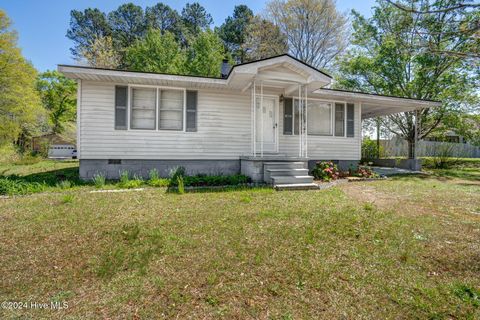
x=415, y=138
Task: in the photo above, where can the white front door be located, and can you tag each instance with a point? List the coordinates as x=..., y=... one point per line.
x=266, y=123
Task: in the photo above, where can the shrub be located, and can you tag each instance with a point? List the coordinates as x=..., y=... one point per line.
x=174, y=174
x=125, y=181
x=370, y=149
x=180, y=185
x=325, y=171
x=12, y=186
x=153, y=174
x=210, y=181
x=64, y=184
x=99, y=180
x=365, y=172
x=68, y=198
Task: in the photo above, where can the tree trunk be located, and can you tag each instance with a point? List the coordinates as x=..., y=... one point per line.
x=411, y=149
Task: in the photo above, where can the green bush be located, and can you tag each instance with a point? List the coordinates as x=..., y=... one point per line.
x=64, y=184
x=180, y=185
x=211, y=181
x=99, y=180
x=450, y=162
x=126, y=183
x=370, y=149
x=325, y=171
x=13, y=186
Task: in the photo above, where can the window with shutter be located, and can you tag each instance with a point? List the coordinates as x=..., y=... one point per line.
x=170, y=112
x=350, y=120
x=191, y=111
x=339, y=119
x=287, y=116
x=121, y=98
x=143, y=102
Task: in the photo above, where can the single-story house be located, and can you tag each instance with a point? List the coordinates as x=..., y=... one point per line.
x=270, y=119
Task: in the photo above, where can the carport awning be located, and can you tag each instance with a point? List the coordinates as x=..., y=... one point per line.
x=374, y=105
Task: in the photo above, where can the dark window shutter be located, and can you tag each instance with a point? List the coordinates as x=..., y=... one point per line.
x=191, y=111
x=350, y=120
x=287, y=116
x=121, y=98
x=339, y=119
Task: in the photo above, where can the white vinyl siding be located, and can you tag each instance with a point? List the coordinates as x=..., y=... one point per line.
x=142, y=106
x=223, y=131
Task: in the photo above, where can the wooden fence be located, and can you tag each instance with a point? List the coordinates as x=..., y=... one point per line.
x=399, y=148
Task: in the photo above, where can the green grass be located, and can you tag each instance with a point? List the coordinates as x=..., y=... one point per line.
x=407, y=247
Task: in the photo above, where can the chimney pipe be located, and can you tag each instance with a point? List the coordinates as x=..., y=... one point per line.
x=225, y=68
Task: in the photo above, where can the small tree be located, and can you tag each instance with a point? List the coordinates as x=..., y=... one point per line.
x=263, y=39
x=59, y=97
x=205, y=55
x=156, y=53
x=101, y=53
x=315, y=29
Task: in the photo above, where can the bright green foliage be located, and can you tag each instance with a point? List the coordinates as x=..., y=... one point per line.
x=156, y=53
x=233, y=31
x=59, y=98
x=20, y=108
x=205, y=55
x=396, y=52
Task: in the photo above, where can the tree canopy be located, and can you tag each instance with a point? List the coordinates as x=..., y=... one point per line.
x=59, y=98
x=388, y=56
x=20, y=108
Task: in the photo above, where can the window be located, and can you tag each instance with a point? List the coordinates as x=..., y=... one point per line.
x=339, y=119
x=143, y=108
x=319, y=118
x=121, y=94
x=296, y=117
x=170, y=113
x=191, y=111
x=350, y=120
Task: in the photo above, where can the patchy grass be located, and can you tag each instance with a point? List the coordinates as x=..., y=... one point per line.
x=407, y=247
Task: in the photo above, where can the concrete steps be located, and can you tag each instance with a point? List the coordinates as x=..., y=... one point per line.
x=297, y=186
x=288, y=173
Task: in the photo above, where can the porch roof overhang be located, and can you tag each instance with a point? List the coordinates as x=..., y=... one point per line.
x=374, y=105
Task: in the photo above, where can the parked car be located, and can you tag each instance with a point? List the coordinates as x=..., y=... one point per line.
x=61, y=151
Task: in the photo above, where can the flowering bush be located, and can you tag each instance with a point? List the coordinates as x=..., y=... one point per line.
x=325, y=171
x=365, y=172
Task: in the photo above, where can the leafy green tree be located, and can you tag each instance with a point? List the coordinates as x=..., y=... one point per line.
x=59, y=97
x=157, y=52
x=101, y=53
x=233, y=31
x=195, y=19
x=164, y=18
x=388, y=56
x=263, y=39
x=20, y=108
x=205, y=55
x=128, y=25
x=85, y=27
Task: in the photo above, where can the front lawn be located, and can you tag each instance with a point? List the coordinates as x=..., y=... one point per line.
x=407, y=247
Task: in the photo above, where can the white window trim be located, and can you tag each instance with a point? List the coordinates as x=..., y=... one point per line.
x=332, y=118
x=157, y=100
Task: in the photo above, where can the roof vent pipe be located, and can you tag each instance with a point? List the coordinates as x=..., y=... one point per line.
x=225, y=68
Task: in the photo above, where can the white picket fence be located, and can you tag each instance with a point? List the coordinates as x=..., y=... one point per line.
x=399, y=148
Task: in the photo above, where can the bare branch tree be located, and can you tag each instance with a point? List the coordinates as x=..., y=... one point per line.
x=315, y=29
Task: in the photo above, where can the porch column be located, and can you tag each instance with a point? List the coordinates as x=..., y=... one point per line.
x=306, y=122
x=415, y=138
x=254, y=119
